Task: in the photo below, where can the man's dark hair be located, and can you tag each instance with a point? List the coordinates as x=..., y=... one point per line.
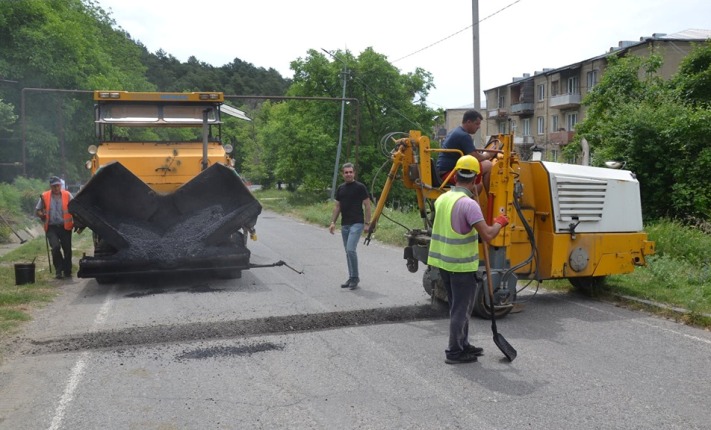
x=472, y=115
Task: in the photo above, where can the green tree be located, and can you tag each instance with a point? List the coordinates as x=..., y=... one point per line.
x=302, y=135
x=7, y=116
x=658, y=129
x=693, y=81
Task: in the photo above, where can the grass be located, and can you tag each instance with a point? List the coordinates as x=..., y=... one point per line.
x=18, y=301
x=677, y=277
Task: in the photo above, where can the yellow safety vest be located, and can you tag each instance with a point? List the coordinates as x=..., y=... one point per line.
x=450, y=250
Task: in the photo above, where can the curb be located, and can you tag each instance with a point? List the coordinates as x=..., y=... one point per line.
x=674, y=309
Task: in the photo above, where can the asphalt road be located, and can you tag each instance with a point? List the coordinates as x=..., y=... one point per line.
x=278, y=349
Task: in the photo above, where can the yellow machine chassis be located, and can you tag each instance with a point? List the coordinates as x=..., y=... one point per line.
x=607, y=253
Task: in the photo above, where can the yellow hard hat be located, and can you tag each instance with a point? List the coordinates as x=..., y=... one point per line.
x=470, y=163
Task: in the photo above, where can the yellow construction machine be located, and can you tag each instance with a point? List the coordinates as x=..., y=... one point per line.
x=164, y=196
x=568, y=221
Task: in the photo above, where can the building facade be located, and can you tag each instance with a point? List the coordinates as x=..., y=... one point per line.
x=542, y=109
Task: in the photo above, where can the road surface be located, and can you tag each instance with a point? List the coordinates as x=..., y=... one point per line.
x=278, y=349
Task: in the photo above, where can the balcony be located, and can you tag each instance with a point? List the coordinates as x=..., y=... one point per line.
x=561, y=137
x=564, y=101
x=497, y=113
x=523, y=140
x=522, y=109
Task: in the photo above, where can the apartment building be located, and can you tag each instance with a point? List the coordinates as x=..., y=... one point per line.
x=542, y=109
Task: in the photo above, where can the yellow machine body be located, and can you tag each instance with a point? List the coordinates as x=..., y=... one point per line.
x=566, y=221
x=163, y=196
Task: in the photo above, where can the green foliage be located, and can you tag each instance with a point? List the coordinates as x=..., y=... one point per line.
x=663, y=136
x=29, y=191
x=693, y=81
x=61, y=45
x=299, y=142
x=7, y=117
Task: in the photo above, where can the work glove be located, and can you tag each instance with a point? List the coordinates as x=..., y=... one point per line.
x=502, y=219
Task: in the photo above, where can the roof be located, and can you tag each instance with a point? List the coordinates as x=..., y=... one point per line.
x=690, y=34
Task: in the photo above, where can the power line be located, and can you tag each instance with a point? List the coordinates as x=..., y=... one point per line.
x=454, y=34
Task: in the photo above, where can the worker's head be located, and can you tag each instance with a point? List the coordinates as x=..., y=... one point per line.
x=471, y=121
x=468, y=170
x=348, y=172
x=55, y=184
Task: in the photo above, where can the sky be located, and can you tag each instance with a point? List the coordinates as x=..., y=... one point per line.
x=515, y=36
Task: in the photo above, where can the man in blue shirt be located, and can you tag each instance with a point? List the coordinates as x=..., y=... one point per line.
x=460, y=138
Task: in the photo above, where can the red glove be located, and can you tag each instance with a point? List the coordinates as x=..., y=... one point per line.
x=502, y=219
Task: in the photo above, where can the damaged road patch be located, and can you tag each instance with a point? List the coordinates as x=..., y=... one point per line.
x=228, y=351
x=151, y=335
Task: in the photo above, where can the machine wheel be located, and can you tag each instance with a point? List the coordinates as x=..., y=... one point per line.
x=587, y=283
x=433, y=287
x=481, y=307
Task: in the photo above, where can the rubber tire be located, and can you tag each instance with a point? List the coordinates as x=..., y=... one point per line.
x=481, y=309
x=432, y=286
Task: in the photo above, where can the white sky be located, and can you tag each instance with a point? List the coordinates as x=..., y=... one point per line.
x=524, y=36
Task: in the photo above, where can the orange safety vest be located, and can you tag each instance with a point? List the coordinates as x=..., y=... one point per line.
x=68, y=220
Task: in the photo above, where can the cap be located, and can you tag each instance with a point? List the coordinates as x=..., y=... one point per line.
x=55, y=181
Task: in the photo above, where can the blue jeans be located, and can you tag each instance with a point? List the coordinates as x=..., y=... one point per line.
x=351, y=235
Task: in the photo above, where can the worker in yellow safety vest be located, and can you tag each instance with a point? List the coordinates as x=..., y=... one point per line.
x=454, y=249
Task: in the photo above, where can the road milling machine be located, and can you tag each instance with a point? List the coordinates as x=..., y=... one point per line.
x=164, y=195
x=567, y=221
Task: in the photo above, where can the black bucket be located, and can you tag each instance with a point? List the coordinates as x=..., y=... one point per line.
x=24, y=273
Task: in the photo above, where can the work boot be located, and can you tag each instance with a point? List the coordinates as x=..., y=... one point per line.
x=471, y=349
x=464, y=357
x=346, y=284
x=353, y=283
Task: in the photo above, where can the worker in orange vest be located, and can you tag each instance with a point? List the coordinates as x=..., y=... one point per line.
x=52, y=209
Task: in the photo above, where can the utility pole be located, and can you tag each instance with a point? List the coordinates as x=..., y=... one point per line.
x=477, y=85
x=340, y=134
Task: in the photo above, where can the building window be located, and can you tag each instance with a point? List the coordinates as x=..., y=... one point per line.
x=502, y=127
x=541, y=92
x=527, y=126
x=592, y=79
x=573, y=86
x=554, y=122
x=554, y=155
x=541, y=125
x=502, y=102
x=555, y=86
x=572, y=119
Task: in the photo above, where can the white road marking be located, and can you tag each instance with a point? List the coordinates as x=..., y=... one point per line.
x=78, y=369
